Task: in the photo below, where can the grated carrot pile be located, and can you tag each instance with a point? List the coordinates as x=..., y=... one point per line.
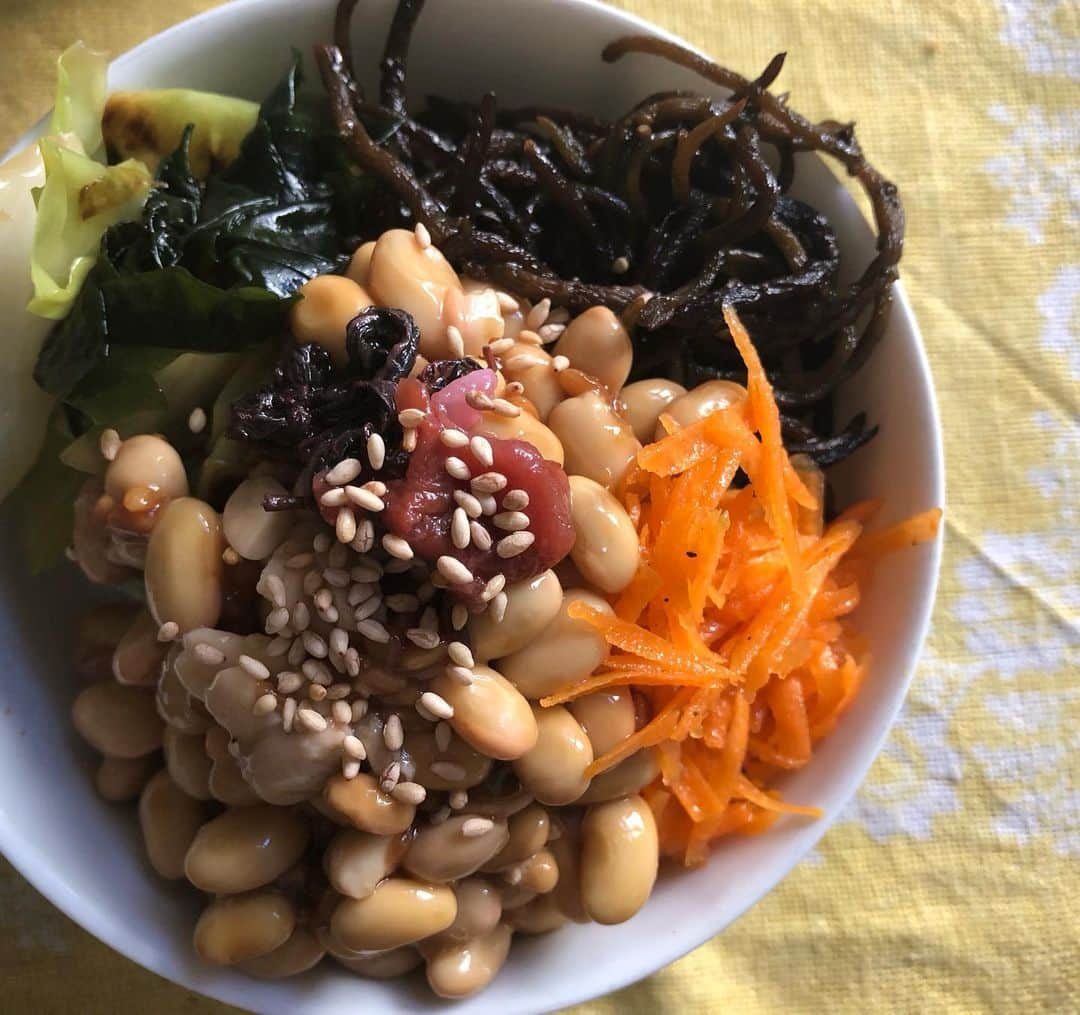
x=735, y=629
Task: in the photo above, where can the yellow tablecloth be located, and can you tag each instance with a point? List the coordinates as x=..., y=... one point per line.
x=951, y=884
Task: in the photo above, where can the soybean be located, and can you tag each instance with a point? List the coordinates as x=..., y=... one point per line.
x=187, y=762
x=702, y=401
x=525, y=427
x=530, y=606
x=442, y=853
x=121, y=779
x=606, y=550
x=169, y=819
x=239, y=928
x=554, y=770
x=597, y=344
x=489, y=713
x=382, y=965
x=607, y=717
x=459, y=970
x=327, y=304
x=355, y=862
x=566, y=651
x=540, y=872
x=479, y=908
x=528, y=832
x=251, y=530
x=619, y=858
x=245, y=848
x=642, y=403
x=399, y=912
x=184, y=566
x=596, y=441
x=369, y=809
x=297, y=955
x=539, y=916
x=118, y=720
x=149, y=462
x=629, y=776
x=138, y=655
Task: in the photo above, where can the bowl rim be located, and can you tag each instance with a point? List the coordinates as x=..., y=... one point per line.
x=33, y=864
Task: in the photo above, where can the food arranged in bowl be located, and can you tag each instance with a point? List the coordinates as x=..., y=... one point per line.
x=467, y=474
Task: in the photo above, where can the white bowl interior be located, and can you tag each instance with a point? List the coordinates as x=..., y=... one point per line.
x=85, y=855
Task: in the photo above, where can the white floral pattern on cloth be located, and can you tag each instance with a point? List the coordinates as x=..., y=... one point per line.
x=1047, y=32
x=1037, y=167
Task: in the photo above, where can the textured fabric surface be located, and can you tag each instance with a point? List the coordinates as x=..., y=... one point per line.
x=951, y=883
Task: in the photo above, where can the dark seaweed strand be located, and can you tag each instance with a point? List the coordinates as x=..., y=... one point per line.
x=664, y=215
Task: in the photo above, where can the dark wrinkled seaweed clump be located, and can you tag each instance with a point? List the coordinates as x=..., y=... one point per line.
x=665, y=215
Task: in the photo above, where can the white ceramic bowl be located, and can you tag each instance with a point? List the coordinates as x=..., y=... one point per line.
x=85, y=855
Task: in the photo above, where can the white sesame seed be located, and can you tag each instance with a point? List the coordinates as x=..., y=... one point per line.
x=520, y=362
x=501, y=407
x=397, y=566
x=393, y=734
x=459, y=614
x=455, y=341
x=459, y=528
x=480, y=536
x=514, y=544
x=477, y=400
x=311, y=720
x=368, y=608
x=513, y=876
x=253, y=667
x=390, y=777
x=366, y=571
x=359, y=709
x=207, y=654
x=559, y=364
x=354, y=746
x=345, y=526
x=457, y=468
x=338, y=555
x=299, y=561
x=462, y=674
x=511, y=521
x=373, y=631
x=453, y=570
x=296, y=652
x=338, y=691
x=501, y=345
x=620, y=266
x=333, y=498
x=339, y=641
x=279, y=646
x=314, y=645
x=109, y=443
x=411, y=418
x=437, y=705
x=472, y=828
x=401, y=602
x=538, y=314
x=317, y=692
x=289, y=682
x=344, y=472
x=168, y=631
x=315, y=670
x=301, y=617
x=429, y=620
x=461, y=654
x=488, y=482
x=451, y=771
x=352, y=662
x=443, y=735
x=350, y=768
x=421, y=637
x=364, y=498
x=365, y=536
x=275, y=588
x=507, y=303
x=376, y=487
x=493, y=588
x=338, y=578
x=340, y=711
x=529, y=337
x=321, y=543
x=468, y=503
x=197, y=420
x=549, y=332
x=324, y=599
x=376, y=451
x=288, y=713
x=312, y=582
x=481, y=448
x=277, y=619
x=423, y=235
x=454, y=438
x=397, y=547
x=515, y=500
x=515, y=388
x=498, y=607
x=409, y=793
x=264, y=705
x=458, y=800
x=408, y=441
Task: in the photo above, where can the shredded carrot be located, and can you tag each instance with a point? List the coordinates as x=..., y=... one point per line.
x=735, y=632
